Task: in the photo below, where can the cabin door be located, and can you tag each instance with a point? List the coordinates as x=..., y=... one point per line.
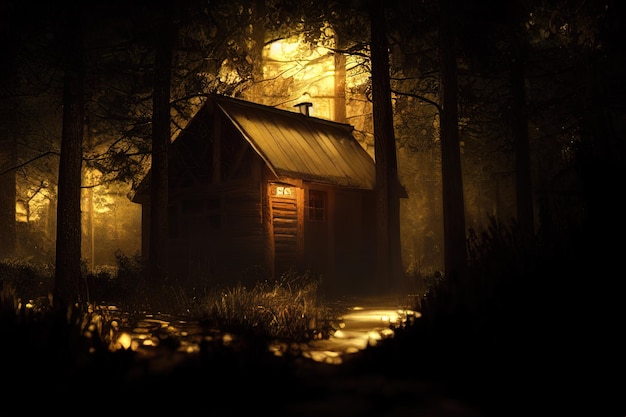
x=285, y=227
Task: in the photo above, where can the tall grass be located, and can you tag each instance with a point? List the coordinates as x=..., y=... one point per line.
x=288, y=308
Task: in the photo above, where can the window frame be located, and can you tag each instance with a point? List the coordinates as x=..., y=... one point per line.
x=317, y=204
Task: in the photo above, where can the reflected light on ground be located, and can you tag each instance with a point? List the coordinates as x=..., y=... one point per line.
x=150, y=342
x=227, y=338
x=359, y=327
x=124, y=341
x=328, y=356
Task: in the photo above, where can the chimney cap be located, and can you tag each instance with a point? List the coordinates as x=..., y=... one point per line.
x=304, y=107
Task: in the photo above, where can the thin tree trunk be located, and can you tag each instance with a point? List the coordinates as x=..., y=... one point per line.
x=68, y=240
x=258, y=36
x=340, y=84
x=159, y=196
x=455, y=252
x=8, y=160
x=525, y=213
x=389, y=257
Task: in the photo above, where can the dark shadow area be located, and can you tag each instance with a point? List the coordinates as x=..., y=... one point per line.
x=534, y=326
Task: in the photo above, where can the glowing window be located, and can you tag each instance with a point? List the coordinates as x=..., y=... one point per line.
x=283, y=191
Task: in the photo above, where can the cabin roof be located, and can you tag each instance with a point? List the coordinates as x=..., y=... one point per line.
x=296, y=145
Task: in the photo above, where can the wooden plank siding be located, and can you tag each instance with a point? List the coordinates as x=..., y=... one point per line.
x=285, y=233
x=243, y=245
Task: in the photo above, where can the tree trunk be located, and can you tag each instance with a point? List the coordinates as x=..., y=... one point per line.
x=8, y=161
x=389, y=257
x=159, y=196
x=340, y=83
x=258, y=36
x=455, y=252
x=525, y=213
x=68, y=236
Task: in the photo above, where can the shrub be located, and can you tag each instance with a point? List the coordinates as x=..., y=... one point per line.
x=30, y=282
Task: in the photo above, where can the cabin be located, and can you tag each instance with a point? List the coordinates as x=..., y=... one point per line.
x=256, y=191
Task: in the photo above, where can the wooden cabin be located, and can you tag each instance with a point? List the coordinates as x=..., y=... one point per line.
x=259, y=190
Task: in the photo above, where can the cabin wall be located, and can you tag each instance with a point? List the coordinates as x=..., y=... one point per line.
x=266, y=219
x=354, y=249
x=238, y=234
x=284, y=218
x=340, y=246
x=242, y=247
x=318, y=219
x=145, y=231
x=284, y=223
x=217, y=235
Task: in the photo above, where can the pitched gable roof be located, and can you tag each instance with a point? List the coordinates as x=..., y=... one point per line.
x=299, y=146
x=294, y=145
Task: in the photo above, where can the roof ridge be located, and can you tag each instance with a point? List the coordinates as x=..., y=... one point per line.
x=288, y=113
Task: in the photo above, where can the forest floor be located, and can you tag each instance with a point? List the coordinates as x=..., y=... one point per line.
x=363, y=371
x=327, y=379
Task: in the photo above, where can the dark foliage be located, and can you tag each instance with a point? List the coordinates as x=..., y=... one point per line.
x=525, y=328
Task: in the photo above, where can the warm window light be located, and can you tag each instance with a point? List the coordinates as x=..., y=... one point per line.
x=283, y=191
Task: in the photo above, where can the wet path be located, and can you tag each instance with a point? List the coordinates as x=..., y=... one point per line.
x=364, y=322
x=322, y=390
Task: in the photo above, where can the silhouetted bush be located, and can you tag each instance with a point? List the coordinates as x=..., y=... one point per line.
x=31, y=282
x=530, y=322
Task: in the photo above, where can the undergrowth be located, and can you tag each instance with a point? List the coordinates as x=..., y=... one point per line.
x=286, y=309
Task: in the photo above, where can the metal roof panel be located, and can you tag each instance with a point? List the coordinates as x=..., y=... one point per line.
x=300, y=146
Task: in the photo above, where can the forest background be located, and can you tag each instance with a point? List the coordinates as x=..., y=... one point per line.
x=537, y=142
